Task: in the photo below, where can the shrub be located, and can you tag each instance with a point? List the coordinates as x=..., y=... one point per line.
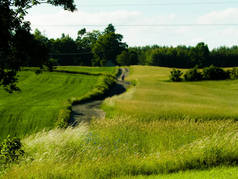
x=175, y=75
x=63, y=118
x=10, y=150
x=193, y=75
x=234, y=74
x=215, y=73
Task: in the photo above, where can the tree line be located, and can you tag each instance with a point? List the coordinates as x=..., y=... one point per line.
x=18, y=47
x=89, y=48
x=107, y=49
x=187, y=56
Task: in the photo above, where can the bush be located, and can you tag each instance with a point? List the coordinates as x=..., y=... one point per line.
x=215, y=73
x=234, y=74
x=63, y=118
x=10, y=150
x=176, y=75
x=193, y=75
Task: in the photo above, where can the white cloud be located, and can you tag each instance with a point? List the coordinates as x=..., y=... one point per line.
x=55, y=23
x=65, y=18
x=223, y=17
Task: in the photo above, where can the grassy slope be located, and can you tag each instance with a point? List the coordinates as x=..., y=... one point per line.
x=216, y=173
x=41, y=97
x=87, y=69
x=156, y=97
x=133, y=141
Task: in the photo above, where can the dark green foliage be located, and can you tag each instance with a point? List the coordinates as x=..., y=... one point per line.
x=89, y=49
x=64, y=49
x=10, y=150
x=224, y=56
x=107, y=47
x=102, y=48
x=234, y=74
x=127, y=58
x=175, y=75
x=208, y=73
x=11, y=26
x=109, y=29
x=17, y=45
x=199, y=55
x=215, y=73
x=29, y=50
x=193, y=75
x=187, y=56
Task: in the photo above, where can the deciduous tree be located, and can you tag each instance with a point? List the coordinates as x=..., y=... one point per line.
x=107, y=47
x=13, y=30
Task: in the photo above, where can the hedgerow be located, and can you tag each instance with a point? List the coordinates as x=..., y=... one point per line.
x=208, y=73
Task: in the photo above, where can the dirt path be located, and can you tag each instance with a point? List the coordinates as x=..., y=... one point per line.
x=85, y=112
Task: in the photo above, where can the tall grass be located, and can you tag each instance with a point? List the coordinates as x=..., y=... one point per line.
x=92, y=70
x=214, y=173
x=155, y=128
x=41, y=98
x=124, y=146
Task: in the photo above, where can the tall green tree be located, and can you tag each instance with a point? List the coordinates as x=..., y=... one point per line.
x=13, y=28
x=64, y=49
x=108, y=46
x=85, y=42
x=200, y=55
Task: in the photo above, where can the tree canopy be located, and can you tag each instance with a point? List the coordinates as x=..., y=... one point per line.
x=108, y=46
x=14, y=51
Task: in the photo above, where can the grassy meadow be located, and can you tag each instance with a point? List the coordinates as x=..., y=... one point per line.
x=157, y=129
x=155, y=97
x=93, y=70
x=41, y=98
x=219, y=172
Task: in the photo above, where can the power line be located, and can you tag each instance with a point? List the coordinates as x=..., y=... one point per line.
x=160, y=4
x=69, y=54
x=137, y=25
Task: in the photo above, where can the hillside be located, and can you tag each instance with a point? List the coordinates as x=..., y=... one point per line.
x=155, y=97
x=42, y=96
x=155, y=128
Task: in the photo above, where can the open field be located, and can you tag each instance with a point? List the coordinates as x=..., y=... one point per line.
x=94, y=70
x=155, y=128
x=42, y=96
x=216, y=173
x=157, y=98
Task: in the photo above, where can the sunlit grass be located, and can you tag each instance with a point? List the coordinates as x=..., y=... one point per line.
x=124, y=146
x=157, y=98
x=87, y=69
x=156, y=128
x=215, y=173
x=37, y=105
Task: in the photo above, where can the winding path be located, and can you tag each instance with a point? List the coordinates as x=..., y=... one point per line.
x=85, y=112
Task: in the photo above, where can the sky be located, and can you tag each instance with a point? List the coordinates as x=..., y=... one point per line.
x=141, y=22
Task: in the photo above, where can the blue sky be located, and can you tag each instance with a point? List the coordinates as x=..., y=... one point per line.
x=53, y=21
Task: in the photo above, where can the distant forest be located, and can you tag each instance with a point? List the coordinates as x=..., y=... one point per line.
x=107, y=49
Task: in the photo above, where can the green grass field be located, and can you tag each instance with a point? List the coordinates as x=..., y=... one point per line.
x=94, y=70
x=155, y=97
x=216, y=173
x=42, y=96
x=155, y=129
